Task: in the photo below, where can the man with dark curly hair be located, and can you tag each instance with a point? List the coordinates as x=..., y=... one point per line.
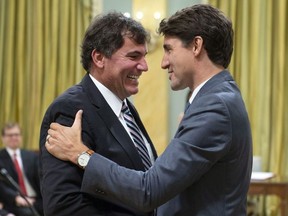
x=113, y=54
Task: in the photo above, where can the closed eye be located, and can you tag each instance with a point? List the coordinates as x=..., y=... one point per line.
x=135, y=55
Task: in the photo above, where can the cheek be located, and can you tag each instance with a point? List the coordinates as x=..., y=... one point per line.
x=178, y=63
x=184, y=62
x=16, y=140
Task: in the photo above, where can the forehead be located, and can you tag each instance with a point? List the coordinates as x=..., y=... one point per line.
x=14, y=128
x=171, y=41
x=130, y=46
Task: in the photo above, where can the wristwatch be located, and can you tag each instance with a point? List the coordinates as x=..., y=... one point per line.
x=84, y=158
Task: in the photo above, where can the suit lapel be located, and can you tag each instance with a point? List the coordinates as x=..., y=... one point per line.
x=104, y=111
x=215, y=80
x=24, y=162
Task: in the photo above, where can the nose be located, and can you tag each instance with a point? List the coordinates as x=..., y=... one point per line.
x=142, y=65
x=164, y=63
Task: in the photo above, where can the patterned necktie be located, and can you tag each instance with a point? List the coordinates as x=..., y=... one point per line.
x=136, y=135
x=20, y=175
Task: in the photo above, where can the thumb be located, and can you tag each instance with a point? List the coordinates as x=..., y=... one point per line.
x=78, y=120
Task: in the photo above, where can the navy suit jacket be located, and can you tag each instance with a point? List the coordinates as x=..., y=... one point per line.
x=30, y=168
x=205, y=169
x=102, y=132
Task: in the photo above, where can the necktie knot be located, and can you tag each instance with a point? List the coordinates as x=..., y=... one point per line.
x=125, y=109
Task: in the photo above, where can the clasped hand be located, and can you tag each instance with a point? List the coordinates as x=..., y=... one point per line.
x=65, y=142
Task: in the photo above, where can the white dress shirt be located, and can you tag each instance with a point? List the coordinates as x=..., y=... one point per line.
x=196, y=90
x=116, y=105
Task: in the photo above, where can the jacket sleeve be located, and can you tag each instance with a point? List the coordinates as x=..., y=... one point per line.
x=61, y=181
x=8, y=194
x=202, y=139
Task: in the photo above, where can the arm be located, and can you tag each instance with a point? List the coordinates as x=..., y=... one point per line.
x=189, y=156
x=57, y=134
x=8, y=193
x=60, y=180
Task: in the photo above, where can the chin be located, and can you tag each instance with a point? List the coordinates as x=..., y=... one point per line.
x=134, y=92
x=175, y=88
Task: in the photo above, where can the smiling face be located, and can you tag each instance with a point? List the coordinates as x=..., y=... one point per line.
x=122, y=70
x=178, y=60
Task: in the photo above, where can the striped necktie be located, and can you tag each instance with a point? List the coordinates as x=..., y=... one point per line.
x=136, y=135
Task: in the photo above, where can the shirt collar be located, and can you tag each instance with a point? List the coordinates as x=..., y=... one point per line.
x=11, y=152
x=114, y=102
x=196, y=90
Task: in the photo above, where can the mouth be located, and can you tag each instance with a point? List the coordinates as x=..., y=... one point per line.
x=170, y=72
x=133, y=77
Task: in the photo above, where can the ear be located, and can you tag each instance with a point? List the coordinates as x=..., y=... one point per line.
x=97, y=58
x=197, y=45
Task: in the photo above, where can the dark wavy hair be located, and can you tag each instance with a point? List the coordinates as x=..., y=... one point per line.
x=205, y=21
x=106, y=34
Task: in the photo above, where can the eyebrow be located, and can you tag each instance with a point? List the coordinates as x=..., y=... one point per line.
x=136, y=52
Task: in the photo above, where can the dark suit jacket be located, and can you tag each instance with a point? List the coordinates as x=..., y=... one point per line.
x=102, y=132
x=30, y=168
x=204, y=171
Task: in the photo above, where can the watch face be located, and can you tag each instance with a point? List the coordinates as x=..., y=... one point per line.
x=83, y=159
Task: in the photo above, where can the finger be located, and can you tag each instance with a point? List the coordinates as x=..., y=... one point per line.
x=78, y=120
x=48, y=146
x=52, y=133
x=55, y=125
x=47, y=138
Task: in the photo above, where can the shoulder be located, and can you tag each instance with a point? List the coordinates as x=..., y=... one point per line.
x=76, y=92
x=220, y=91
x=71, y=98
x=3, y=151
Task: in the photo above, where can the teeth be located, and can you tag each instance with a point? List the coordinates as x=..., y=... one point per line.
x=133, y=76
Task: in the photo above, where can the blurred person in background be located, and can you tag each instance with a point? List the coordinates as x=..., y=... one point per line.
x=23, y=166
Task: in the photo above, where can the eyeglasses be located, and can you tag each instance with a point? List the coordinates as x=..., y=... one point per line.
x=13, y=135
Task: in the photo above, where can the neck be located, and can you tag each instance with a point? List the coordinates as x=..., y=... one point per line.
x=205, y=72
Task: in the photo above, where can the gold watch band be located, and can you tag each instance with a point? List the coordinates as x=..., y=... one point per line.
x=90, y=152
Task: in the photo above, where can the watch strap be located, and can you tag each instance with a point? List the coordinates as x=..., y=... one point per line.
x=89, y=152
